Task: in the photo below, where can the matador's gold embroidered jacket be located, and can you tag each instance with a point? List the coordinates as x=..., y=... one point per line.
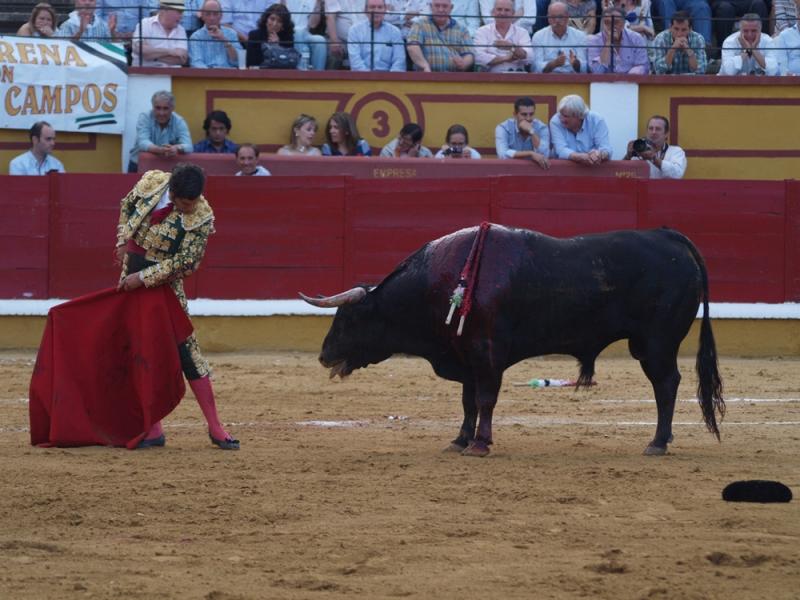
x=176, y=245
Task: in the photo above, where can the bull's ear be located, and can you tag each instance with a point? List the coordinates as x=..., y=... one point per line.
x=349, y=297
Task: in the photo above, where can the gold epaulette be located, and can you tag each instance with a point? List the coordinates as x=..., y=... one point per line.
x=150, y=182
x=200, y=215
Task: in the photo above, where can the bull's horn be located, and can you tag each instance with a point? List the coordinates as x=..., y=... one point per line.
x=348, y=297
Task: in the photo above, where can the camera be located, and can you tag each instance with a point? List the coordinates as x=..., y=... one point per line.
x=451, y=150
x=641, y=145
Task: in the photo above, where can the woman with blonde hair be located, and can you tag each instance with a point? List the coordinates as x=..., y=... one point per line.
x=42, y=22
x=342, y=137
x=301, y=138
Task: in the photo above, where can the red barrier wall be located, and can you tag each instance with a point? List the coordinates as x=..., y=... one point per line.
x=278, y=235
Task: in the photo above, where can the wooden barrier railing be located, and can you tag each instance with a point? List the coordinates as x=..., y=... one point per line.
x=375, y=167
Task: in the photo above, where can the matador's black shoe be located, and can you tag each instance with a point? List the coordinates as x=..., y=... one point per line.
x=226, y=444
x=158, y=442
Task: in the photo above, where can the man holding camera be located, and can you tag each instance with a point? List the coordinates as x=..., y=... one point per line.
x=665, y=161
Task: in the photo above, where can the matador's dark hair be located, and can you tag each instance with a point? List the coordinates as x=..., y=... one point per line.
x=187, y=181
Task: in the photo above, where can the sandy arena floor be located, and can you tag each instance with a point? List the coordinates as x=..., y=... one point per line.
x=341, y=490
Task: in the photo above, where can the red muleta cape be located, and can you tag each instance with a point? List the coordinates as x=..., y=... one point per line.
x=108, y=368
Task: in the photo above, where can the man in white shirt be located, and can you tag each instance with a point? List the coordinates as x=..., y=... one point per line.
x=160, y=41
x=38, y=160
x=503, y=46
x=787, y=45
x=247, y=159
x=524, y=13
x=665, y=161
x=559, y=48
x=747, y=52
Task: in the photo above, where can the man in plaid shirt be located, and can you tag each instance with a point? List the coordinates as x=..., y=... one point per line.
x=439, y=43
x=679, y=50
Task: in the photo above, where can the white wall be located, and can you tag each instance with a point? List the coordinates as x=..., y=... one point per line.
x=618, y=104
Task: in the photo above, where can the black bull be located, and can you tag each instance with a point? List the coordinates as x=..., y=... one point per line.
x=535, y=295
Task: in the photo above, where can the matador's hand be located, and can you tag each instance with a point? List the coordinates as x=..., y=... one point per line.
x=131, y=282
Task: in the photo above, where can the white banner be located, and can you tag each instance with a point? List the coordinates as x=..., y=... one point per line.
x=74, y=86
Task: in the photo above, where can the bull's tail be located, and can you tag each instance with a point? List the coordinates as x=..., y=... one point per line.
x=709, y=382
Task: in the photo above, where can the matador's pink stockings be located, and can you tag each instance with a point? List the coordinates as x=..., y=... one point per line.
x=205, y=398
x=156, y=431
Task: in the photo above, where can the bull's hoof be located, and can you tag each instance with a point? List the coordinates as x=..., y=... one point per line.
x=479, y=449
x=454, y=448
x=652, y=450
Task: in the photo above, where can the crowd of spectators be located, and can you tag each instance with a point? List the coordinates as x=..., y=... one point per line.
x=574, y=133
x=730, y=37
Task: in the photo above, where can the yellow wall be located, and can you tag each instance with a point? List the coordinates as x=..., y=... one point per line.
x=265, y=119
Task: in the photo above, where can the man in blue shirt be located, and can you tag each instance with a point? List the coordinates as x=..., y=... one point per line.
x=578, y=134
x=522, y=136
x=217, y=126
x=212, y=45
x=161, y=131
x=38, y=160
x=375, y=45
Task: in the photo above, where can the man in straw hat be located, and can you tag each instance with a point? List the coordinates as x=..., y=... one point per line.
x=160, y=40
